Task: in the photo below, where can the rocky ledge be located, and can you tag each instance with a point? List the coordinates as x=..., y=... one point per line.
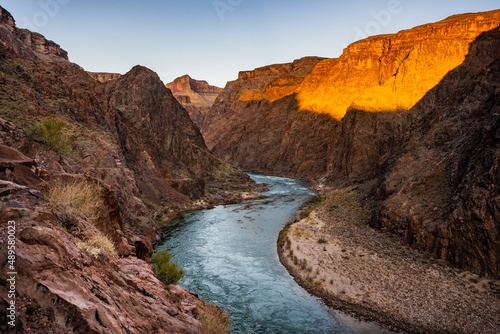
x=28, y=43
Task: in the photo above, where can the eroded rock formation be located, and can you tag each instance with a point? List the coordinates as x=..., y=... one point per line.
x=414, y=113
x=25, y=42
x=195, y=95
x=137, y=146
x=267, y=135
x=103, y=76
x=392, y=72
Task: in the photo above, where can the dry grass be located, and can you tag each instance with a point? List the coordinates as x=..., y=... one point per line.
x=80, y=197
x=212, y=321
x=97, y=246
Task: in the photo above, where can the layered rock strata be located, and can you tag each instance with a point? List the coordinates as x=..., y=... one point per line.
x=144, y=160
x=103, y=77
x=412, y=113
x=196, y=96
x=27, y=43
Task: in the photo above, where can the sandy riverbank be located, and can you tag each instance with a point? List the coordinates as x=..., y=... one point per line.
x=336, y=256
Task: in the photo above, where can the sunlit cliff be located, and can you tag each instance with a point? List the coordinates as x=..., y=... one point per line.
x=392, y=72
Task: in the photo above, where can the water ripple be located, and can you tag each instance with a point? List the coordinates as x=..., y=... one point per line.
x=229, y=254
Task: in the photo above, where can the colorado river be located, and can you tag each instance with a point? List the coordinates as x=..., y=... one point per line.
x=230, y=257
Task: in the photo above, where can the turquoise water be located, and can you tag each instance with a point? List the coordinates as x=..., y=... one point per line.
x=230, y=257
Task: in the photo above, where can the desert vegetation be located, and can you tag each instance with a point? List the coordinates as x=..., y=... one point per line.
x=96, y=246
x=80, y=198
x=212, y=321
x=167, y=270
x=49, y=131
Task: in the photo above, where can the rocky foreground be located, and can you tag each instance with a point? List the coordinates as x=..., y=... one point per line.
x=91, y=168
x=335, y=255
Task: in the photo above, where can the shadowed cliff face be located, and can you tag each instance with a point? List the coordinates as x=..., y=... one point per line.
x=379, y=74
x=440, y=190
x=136, y=144
x=195, y=95
x=432, y=152
x=256, y=124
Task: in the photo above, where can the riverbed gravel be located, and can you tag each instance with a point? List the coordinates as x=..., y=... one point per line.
x=339, y=256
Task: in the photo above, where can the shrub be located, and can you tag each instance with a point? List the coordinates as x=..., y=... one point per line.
x=96, y=246
x=49, y=132
x=322, y=240
x=212, y=321
x=167, y=270
x=80, y=198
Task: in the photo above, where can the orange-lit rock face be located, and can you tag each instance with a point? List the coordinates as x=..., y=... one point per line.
x=392, y=72
x=199, y=92
x=276, y=81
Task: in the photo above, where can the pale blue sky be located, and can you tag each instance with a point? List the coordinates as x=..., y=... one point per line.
x=215, y=39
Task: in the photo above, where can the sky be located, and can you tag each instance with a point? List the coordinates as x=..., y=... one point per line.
x=215, y=39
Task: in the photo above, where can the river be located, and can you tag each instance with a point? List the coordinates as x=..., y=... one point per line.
x=230, y=257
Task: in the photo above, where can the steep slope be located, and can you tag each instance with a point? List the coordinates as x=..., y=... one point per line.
x=429, y=167
x=434, y=186
x=392, y=72
x=27, y=43
x=440, y=191
x=379, y=74
x=134, y=146
x=256, y=124
x=195, y=95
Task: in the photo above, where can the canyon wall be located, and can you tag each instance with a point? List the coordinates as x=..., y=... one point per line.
x=135, y=144
x=411, y=118
x=392, y=72
x=196, y=96
x=27, y=43
x=267, y=134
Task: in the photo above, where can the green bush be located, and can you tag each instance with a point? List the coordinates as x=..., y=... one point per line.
x=49, y=132
x=167, y=270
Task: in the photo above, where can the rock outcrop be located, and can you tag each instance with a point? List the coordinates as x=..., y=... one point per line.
x=257, y=125
x=134, y=145
x=440, y=190
x=195, y=95
x=392, y=72
x=103, y=77
x=411, y=117
x=27, y=43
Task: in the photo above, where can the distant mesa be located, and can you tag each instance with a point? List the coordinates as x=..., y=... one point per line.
x=103, y=76
x=197, y=96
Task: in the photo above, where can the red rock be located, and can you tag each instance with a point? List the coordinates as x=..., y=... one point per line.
x=10, y=157
x=436, y=161
x=103, y=77
x=26, y=43
x=195, y=95
x=26, y=177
